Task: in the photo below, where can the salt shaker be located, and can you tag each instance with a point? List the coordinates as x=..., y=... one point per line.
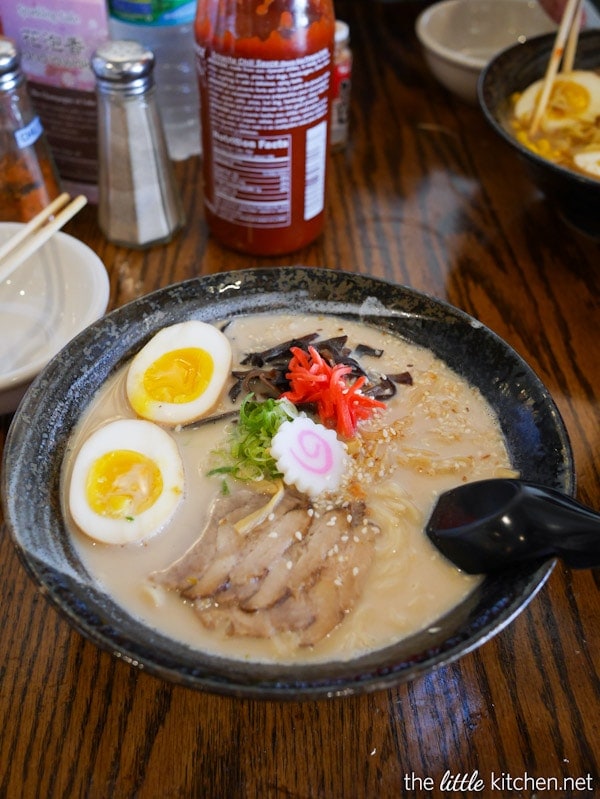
x=28, y=176
x=138, y=200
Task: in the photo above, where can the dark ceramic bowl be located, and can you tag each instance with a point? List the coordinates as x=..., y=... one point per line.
x=41, y=428
x=576, y=197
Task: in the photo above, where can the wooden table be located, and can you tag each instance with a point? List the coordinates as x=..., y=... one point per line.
x=424, y=195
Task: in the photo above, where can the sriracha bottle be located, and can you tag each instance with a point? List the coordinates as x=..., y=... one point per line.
x=264, y=69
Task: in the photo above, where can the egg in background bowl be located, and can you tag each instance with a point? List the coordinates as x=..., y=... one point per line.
x=569, y=129
x=52, y=296
x=575, y=97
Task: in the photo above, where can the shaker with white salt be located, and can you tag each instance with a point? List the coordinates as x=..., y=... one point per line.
x=138, y=200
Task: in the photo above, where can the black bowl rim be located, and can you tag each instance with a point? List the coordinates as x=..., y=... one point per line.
x=89, y=615
x=543, y=42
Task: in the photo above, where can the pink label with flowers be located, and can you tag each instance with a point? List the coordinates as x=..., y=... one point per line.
x=57, y=39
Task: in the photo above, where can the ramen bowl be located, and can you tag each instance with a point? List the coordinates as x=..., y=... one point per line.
x=459, y=37
x=50, y=298
x=49, y=413
x=575, y=196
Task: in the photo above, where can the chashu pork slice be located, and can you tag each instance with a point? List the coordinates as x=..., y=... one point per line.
x=268, y=544
x=317, y=603
x=295, y=572
x=291, y=573
x=205, y=568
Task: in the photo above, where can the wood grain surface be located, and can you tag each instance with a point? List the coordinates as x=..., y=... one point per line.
x=424, y=195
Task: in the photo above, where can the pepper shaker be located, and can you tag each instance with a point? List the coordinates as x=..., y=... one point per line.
x=28, y=177
x=138, y=200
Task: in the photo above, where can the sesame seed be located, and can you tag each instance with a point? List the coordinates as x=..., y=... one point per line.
x=298, y=535
x=273, y=534
x=289, y=565
x=355, y=571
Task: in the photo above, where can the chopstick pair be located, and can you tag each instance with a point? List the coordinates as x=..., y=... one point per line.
x=37, y=231
x=565, y=45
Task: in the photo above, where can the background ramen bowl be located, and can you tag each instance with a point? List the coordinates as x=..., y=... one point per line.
x=459, y=37
x=575, y=196
x=50, y=298
x=45, y=420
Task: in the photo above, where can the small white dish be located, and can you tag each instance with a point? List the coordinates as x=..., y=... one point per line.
x=460, y=37
x=52, y=296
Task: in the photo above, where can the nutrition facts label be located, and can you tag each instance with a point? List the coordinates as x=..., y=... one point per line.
x=261, y=114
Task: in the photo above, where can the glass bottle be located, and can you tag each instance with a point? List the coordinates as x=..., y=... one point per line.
x=28, y=176
x=264, y=70
x=340, y=95
x=168, y=30
x=138, y=200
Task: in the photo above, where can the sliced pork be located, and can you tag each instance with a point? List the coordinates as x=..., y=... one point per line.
x=297, y=571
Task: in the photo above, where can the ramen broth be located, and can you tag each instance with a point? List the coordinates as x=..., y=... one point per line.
x=440, y=432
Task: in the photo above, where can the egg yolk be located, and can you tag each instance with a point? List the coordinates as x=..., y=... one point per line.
x=567, y=99
x=179, y=376
x=123, y=483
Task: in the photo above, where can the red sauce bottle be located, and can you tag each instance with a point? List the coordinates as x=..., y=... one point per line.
x=265, y=71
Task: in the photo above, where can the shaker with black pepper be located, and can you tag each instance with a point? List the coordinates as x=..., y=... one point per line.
x=138, y=202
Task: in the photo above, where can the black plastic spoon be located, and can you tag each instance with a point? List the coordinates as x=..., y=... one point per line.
x=488, y=525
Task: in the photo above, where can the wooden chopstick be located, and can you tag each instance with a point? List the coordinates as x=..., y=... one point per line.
x=34, y=224
x=36, y=232
x=564, y=30
x=571, y=48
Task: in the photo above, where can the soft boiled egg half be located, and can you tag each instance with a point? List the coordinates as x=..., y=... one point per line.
x=179, y=375
x=575, y=97
x=126, y=482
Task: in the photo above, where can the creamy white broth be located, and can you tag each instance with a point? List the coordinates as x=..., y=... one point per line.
x=441, y=432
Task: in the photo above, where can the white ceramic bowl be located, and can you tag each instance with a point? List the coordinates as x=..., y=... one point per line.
x=459, y=37
x=52, y=296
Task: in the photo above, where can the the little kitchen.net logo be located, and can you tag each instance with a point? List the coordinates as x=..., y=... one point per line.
x=501, y=782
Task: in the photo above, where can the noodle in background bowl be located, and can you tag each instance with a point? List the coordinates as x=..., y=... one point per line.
x=575, y=196
x=39, y=435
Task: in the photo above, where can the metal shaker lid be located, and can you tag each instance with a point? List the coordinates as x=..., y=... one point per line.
x=123, y=65
x=10, y=64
